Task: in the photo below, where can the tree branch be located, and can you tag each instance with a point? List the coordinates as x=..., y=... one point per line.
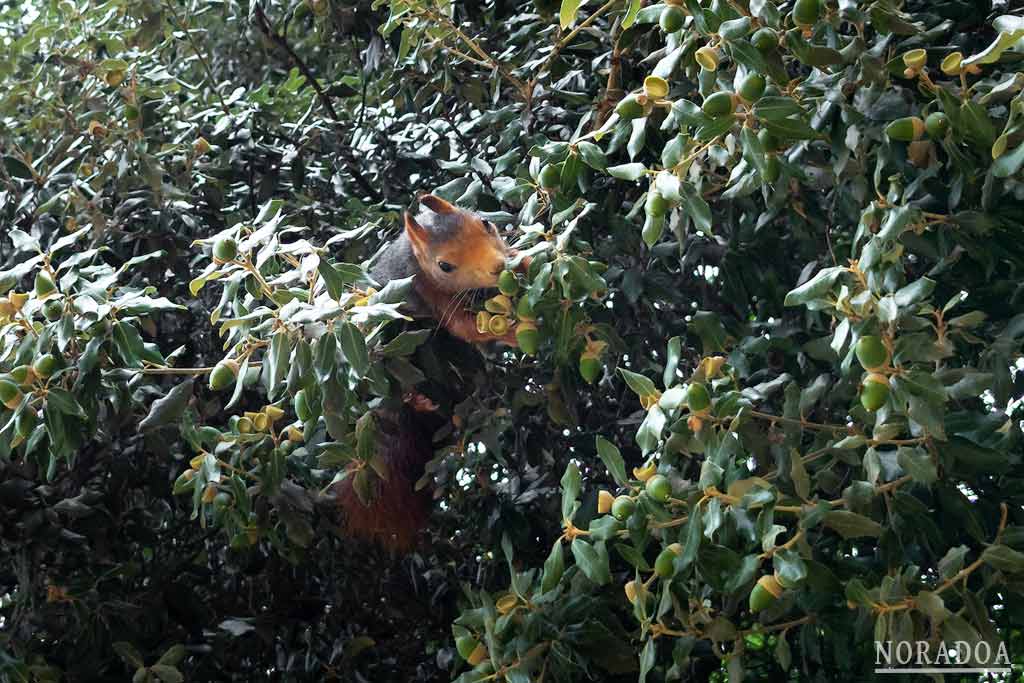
x=325, y=99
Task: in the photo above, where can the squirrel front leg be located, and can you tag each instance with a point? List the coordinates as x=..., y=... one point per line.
x=463, y=325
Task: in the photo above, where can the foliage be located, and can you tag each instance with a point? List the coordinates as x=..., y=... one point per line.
x=196, y=189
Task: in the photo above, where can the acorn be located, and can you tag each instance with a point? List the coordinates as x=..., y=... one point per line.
x=632, y=107
x=478, y=655
x=114, y=78
x=498, y=305
x=550, y=176
x=656, y=204
x=10, y=394
x=507, y=283
x=764, y=39
x=273, y=413
x=44, y=286
x=659, y=488
x=623, y=508
x=466, y=645
x=225, y=249
x=655, y=87
x=201, y=146
x=527, y=337
x=97, y=129
x=766, y=591
x=717, y=104
x=664, y=565
x=53, y=310
x=806, y=13
x=524, y=311
x=697, y=398
x=751, y=87
x=772, y=168
x=222, y=500
x=605, y=500
x=7, y=309
x=483, y=320
x=937, y=124
x=874, y=392
x=672, y=19
x=871, y=353
x=295, y=434
x=301, y=405
x=18, y=300
x=907, y=129
x=223, y=374
x=23, y=375
x=915, y=59
x=244, y=425
x=707, y=58
x=45, y=365
x=952, y=64
x=498, y=325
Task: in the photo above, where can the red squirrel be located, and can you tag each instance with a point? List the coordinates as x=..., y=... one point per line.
x=452, y=253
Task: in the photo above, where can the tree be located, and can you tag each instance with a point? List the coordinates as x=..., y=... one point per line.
x=773, y=414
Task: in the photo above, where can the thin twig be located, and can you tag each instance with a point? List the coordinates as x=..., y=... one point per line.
x=199, y=54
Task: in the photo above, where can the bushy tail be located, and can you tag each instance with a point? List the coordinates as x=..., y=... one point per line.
x=396, y=510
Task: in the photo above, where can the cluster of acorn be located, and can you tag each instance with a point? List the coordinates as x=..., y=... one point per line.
x=22, y=379
x=502, y=312
x=874, y=358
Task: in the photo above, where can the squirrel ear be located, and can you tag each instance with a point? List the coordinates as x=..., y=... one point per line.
x=416, y=232
x=437, y=205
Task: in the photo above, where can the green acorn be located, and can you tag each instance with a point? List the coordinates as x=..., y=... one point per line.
x=697, y=398
x=766, y=591
x=874, y=392
x=671, y=19
x=659, y=488
x=806, y=13
x=871, y=353
x=768, y=140
x=507, y=283
x=664, y=565
x=22, y=375
x=915, y=59
x=937, y=124
x=623, y=507
x=524, y=311
x=10, y=394
x=907, y=129
x=465, y=645
x=717, y=104
x=45, y=365
x=631, y=107
x=44, y=284
x=527, y=336
x=550, y=176
x=656, y=204
x=764, y=39
x=301, y=404
x=53, y=310
x=225, y=249
x=752, y=87
x=222, y=500
x=223, y=375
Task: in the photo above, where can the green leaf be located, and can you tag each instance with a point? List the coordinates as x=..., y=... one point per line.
x=696, y=208
x=169, y=408
x=554, y=567
x=571, y=486
x=592, y=560
x=851, y=525
x=1003, y=558
x=612, y=459
x=675, y=349
x=627, y=171
x=631, y=13
x=568, y=11
x=816, y=288
x=406, y=342
x=353, y=345
x=640, y=385
x=592, y=155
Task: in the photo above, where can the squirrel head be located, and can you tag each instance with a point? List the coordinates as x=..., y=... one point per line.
x=456, y=249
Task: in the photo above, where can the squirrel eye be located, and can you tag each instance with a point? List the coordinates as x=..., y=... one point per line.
x=445, y=266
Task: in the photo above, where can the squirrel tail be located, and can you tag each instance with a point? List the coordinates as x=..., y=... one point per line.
x=395, y=511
